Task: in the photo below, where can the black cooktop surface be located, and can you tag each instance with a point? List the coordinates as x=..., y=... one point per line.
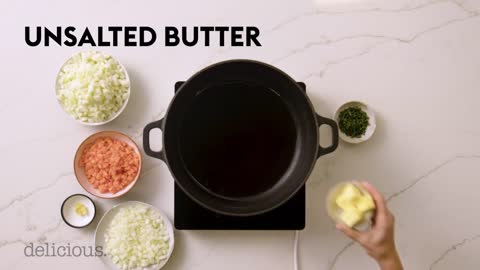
x=191, y=216
x=188, y=215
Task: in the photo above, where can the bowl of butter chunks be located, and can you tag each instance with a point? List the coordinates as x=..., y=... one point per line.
x=351, y=204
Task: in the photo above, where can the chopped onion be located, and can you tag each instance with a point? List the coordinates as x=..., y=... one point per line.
x=92, y=87
x=136, y=237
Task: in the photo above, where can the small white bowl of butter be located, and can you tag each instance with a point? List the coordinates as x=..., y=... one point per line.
x=351, y=204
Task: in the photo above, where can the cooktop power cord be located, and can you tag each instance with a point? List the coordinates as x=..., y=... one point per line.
x=295, y=250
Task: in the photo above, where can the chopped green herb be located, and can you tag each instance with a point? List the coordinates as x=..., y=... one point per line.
x=353, y=122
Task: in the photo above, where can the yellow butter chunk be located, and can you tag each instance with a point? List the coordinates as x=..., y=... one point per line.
x=81, y=209
x=347, y=205
x=348, y=196
x=351, y=218
x=365, y=203
x=349, y=192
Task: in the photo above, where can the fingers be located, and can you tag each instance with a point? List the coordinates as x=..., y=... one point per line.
x=357, y=183
x=377, y=197
x=351, y=233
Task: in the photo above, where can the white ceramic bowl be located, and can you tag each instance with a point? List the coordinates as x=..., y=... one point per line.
x=372, y=122
x=71, y=218
x=334, y=211
x=105, y=222
x=80, y=172
x=114, y=115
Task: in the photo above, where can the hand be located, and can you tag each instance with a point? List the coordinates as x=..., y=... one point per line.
x=379, y=241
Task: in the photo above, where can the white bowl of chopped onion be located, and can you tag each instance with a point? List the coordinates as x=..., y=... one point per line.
x=134, y=235
x=92, y=87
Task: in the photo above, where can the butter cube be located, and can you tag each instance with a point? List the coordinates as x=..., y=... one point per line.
x=351, y=218
x=348, y=196
x=348, y=206
x=365, y=203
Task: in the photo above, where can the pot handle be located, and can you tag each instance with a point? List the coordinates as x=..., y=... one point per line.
x=333, y=125
x=146, y=140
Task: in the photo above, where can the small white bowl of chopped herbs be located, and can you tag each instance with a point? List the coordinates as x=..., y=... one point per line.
x=356, y=122
x=92, y=87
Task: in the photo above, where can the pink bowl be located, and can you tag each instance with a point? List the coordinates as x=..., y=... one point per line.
x=80, y=173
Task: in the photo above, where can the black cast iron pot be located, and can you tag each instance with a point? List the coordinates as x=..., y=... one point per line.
x=240, y=137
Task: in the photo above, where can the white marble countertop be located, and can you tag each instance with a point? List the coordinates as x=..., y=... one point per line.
x=416, y=62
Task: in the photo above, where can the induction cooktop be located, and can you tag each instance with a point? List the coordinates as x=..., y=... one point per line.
x=188, y=215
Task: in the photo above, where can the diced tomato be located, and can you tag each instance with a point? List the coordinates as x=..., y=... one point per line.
x=110, y=165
